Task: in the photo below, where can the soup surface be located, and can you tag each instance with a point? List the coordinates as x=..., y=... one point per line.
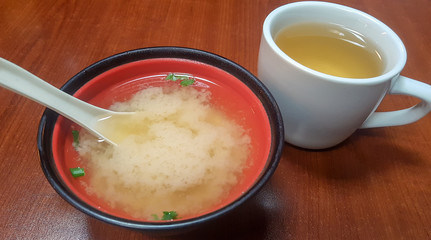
x=177, y=153
x=331, y=49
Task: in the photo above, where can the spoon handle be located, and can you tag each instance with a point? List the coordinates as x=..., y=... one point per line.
x=21, y=81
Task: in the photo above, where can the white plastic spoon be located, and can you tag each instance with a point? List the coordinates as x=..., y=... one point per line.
x=21, y=81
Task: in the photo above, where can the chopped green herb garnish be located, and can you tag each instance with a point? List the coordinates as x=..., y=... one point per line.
x=75, y=135
x=171, y=215
x=167, y=216
x=77, y=172
x=185, y=80
x=171, y=76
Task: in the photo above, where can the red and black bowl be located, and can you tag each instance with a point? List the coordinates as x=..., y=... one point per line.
x=240, y=93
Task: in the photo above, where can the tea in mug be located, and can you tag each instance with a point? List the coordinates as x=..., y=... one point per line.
x=331, y=49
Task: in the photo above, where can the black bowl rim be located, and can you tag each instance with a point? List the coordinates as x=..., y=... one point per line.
x=49, y=118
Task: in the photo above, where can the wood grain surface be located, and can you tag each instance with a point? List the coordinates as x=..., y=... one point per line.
x=375, y=185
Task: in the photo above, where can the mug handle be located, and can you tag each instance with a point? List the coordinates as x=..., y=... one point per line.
x=405, y=86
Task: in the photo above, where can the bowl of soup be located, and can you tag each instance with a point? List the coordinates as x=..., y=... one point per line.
x=207, y=135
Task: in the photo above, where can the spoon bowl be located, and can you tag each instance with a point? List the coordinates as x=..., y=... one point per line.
x=22, y=82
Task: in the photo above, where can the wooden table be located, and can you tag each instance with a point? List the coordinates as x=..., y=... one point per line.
x=375, y=185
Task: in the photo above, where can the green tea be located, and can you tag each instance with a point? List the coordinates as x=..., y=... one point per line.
x=331, y=49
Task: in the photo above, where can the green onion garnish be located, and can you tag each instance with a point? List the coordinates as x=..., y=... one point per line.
x=171, y=215
x=167, y=216
x=77, y=172
x=185, y=80
x=171, y=76
x=75, y=135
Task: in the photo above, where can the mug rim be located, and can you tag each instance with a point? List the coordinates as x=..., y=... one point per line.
x=386, y=76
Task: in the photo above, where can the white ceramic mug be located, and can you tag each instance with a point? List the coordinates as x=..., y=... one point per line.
x=320, y=110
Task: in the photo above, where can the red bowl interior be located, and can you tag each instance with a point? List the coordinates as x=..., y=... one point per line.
x=120, y=83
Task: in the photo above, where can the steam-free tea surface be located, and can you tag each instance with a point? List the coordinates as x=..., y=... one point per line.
x=331, y=49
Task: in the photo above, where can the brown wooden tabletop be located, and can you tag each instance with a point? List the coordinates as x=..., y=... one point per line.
x=375, y=185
